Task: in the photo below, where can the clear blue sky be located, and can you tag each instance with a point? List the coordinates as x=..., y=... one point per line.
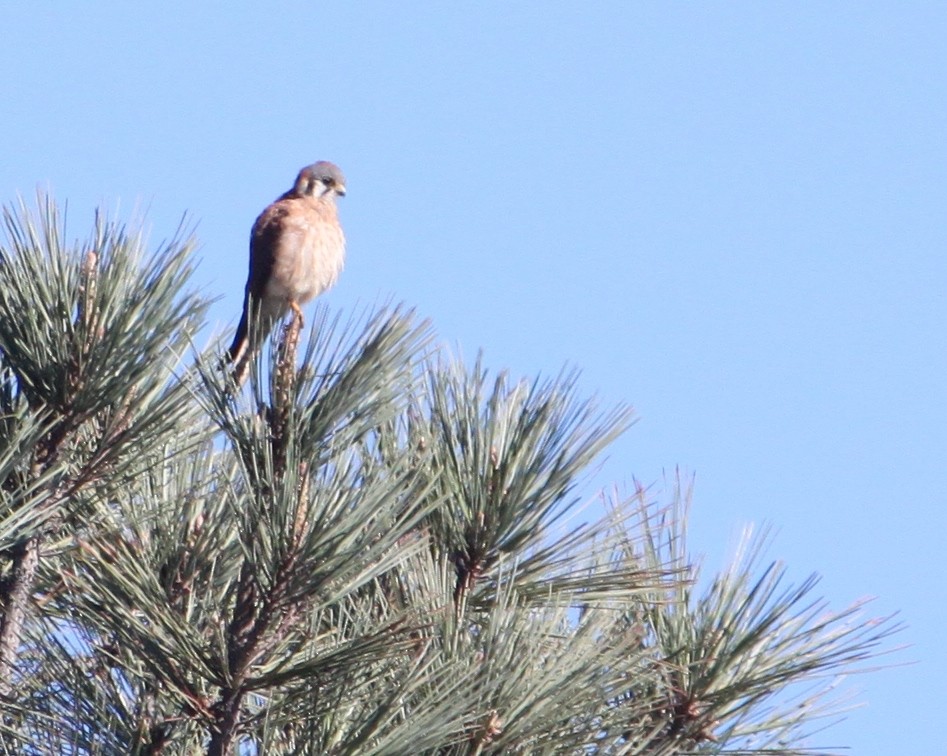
x=729, y=215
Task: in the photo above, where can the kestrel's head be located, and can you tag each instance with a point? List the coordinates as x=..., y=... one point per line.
x=322, y=179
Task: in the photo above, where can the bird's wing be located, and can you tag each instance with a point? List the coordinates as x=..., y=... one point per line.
x=265, y=240
x=264, y=247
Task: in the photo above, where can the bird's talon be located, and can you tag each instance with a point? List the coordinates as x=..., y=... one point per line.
x=298, y=313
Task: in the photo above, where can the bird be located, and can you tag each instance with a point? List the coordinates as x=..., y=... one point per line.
x=297, y=250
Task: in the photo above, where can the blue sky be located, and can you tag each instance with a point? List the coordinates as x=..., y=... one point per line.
x=729, y=215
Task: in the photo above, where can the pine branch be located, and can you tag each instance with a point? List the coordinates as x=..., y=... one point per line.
x=507, y=459
x=373, y=551
x=84, y=334
x=734, y=657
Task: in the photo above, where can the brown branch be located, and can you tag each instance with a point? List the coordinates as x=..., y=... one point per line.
x=15, y=592
x=247, y=641
x=284, y=383
x=14, y=602
x=254, y=615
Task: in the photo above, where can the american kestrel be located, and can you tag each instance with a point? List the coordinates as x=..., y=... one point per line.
x=296, y=252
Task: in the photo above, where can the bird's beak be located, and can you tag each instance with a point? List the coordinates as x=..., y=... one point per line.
x=340, y=189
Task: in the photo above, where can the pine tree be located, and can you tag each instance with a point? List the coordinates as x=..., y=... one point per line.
x=377, y=552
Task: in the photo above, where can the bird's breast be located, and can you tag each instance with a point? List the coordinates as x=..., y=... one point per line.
x=309, y=257
x=320, y=263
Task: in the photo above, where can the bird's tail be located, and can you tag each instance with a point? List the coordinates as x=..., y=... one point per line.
x=241, y=350
x=239, y=354
x=240, y=339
